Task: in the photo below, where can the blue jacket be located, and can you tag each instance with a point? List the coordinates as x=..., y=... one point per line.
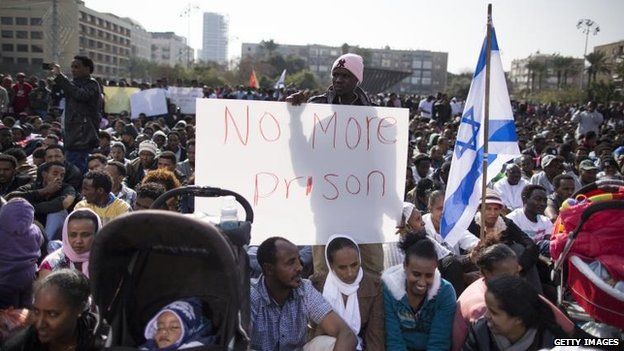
x=427, y=329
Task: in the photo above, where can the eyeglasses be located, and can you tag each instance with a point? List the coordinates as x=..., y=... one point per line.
x=170, y=329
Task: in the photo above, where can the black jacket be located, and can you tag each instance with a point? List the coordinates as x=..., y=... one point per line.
x=16, y=182
x=82, y=112
x=480, y=338
x=135, y=172
x=329, y=97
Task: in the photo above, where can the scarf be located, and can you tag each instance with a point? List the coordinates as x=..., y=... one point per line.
x=334, y=288
x=523, y=344
x=499, y=227
x=67, y=249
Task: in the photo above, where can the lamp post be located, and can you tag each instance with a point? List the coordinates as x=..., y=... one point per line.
x=586, y=26
x=187, y=13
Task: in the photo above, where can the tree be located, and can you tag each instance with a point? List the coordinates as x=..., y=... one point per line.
x=558, y=63
x=303, y=80
x=345, y=48
x=536, y=70
x=569, y=67
x=458, y=85
x=597, y=65
x=269, y=45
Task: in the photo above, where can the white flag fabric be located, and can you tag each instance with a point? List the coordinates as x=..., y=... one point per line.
x=281, y=82
x=463, y=191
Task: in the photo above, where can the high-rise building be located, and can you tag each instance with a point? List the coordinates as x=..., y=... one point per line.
x=215, y=38
x=171, y=49
x=425, y=71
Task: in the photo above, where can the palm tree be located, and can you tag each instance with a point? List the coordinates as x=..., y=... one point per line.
x=569, y=67
x=560, y=65
x=597, y=65
x=269, y=45
x=536, y=69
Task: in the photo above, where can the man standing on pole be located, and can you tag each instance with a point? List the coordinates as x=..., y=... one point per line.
x=347, y=74
x=82, y=111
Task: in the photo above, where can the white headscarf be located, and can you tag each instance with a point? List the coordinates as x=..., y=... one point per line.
x=334, y=288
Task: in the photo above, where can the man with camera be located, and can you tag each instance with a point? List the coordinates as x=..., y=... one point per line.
x=82, y=111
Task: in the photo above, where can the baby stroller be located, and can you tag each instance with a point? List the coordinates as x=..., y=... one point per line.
x=589, y=234
x=142, y=261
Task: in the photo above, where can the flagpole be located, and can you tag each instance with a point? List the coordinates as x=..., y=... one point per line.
x=486, y=117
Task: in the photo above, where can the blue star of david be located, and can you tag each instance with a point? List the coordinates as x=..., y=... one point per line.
x=462, y=146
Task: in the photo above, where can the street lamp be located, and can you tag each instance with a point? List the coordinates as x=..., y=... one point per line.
x=586, y=26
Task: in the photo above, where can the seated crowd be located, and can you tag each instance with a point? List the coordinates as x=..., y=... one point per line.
x=489, y=291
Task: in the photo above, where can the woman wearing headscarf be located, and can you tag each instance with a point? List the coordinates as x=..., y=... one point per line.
x=178, y=326
x=21, y=242
x=354, y=295
x=79, y=232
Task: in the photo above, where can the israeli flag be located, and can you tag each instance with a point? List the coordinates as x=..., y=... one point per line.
x=463, y=190
x=281, y=82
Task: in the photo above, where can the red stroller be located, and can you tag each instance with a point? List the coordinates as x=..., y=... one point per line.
x=589, y=233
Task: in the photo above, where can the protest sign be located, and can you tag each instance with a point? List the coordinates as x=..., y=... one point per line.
x=117, y=99
x=308, y=171
x=151, y=102
x=184, y=98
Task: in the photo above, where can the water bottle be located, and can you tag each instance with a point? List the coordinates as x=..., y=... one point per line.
x=229, y=214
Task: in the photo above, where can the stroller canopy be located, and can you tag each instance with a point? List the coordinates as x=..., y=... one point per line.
x=145, y=260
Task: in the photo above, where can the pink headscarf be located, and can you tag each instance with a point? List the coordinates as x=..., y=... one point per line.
x=67, y=249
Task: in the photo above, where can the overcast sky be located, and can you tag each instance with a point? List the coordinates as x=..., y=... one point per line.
x=453, y=26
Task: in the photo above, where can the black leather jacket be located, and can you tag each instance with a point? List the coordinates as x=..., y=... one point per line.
x=82, y=112
x=329, y=97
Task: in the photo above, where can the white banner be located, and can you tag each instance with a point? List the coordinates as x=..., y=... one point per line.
x=185, y=98
x=308, y=171
x=151, y=102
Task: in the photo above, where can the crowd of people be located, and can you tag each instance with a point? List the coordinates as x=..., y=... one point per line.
x=67, y=169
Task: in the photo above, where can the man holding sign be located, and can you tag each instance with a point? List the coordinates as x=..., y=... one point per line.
x=347, y=75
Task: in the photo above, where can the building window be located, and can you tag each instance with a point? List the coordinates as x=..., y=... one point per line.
x=36, y=61
x=7, y=34
x=426, y=81
x=415, y=80
x=427, y=65
x=7, y=47
x=416, y=64
x=100, y=44
x=21, y=34
x=36, y=48
x=7, y=60
x=36, y=21
x=21, y=21
x=386, y=63
x=6, y=20
x=36, y=35
x=426, y=74
x=23, y=60
x=22, y=48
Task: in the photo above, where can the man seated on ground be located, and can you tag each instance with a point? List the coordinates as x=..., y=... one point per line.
x=494, y=261
x=510, y=187
x=50, y=197
x=147, y=193
x=9, y=179
x=167, y=160
x=23, y=168
x=96, y=162
x=96, y=189
x=146, y=162
x=117, y=172
x=530, y=218
x=283, y=304
x=552, y=166
x=73, y=176
x=564, y=188
x=187, y=167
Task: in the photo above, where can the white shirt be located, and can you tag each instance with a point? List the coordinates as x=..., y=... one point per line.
x=426, y=107
x=587, y=121
x=467, y=242
x=535, y=230
x=510, y=194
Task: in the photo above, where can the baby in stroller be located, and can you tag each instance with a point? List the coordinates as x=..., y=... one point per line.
x=179, y=325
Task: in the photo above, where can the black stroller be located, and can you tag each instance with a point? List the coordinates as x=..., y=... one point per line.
x=141, y=262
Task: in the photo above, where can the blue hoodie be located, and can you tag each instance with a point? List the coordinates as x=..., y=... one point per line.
x=427, y=329
x=21, y=244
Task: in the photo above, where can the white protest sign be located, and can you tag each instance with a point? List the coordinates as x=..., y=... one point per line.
x=185, y=98
x=151, y=102
x=308, y=171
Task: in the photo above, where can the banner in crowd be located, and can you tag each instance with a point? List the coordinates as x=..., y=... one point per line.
x=185, y=98
x=308, y=171
x=151, y=102
x=117, y=99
